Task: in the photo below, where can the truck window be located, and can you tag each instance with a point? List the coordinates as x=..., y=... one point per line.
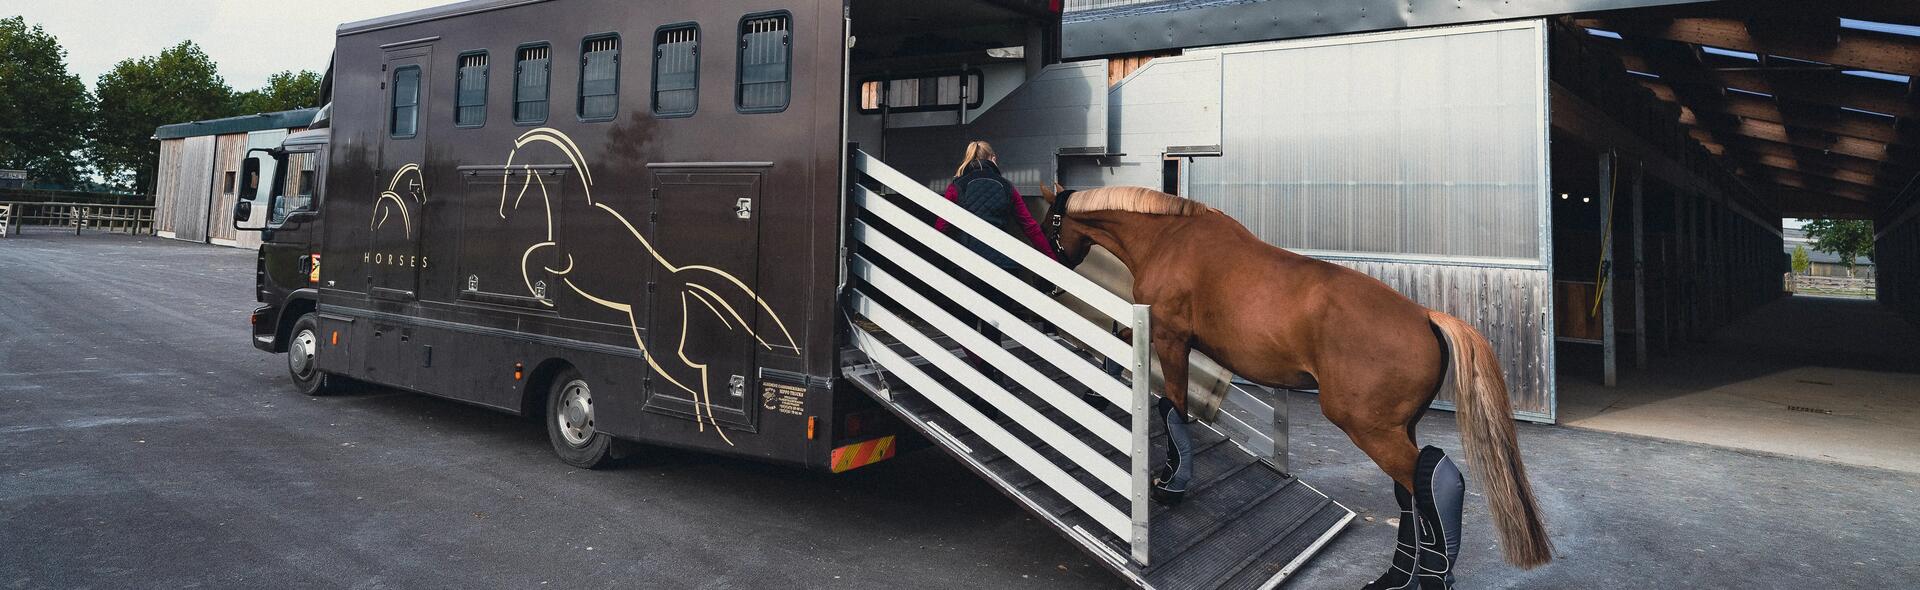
x=921, y=93
x=599, y=77
x=676, y=70
x=406, y=102
x=470, y=103
x=766, y=51
x=298, y=193
x=530, y=74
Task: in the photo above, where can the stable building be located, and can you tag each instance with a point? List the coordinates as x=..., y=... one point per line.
x=1598, y=185
x=198, y=177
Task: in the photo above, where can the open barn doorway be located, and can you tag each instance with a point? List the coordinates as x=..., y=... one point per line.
x=1684, y=135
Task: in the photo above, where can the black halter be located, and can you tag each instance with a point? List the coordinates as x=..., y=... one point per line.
x=1056, y=216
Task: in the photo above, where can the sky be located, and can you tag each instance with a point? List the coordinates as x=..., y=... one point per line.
x=249, y=40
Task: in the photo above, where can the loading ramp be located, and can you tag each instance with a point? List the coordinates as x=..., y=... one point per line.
x=1066, y=437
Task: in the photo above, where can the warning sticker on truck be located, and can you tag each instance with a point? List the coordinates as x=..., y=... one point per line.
x=787, y=399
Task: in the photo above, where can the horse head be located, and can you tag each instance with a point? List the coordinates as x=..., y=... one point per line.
x=406, y=189
x=525, y=186
x=1068, y=237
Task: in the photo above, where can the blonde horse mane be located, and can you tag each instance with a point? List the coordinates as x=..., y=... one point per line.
x=1133, y=199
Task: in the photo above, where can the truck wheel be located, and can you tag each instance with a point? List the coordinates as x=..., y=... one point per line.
x=570, y=423
x=303, y=349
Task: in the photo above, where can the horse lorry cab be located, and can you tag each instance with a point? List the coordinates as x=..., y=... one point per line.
x=655, y=223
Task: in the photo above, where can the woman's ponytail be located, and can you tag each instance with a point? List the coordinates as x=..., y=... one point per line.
x=977, y=151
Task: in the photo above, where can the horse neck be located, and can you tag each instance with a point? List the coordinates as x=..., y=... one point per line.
x=1129, y=236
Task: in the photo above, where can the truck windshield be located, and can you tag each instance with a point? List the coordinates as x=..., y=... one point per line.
x=299, y=189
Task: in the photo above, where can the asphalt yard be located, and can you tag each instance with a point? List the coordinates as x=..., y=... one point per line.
x=145, y=444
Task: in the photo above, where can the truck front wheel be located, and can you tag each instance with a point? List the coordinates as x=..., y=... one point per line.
x=303, y=349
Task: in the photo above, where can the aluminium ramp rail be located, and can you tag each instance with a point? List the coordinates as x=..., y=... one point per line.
x=1057, y=432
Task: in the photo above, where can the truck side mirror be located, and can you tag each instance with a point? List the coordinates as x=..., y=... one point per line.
x=248, y=190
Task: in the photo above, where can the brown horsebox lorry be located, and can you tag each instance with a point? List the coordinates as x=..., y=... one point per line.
x=707, y=225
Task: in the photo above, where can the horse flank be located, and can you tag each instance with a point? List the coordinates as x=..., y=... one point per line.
x=1133, y=199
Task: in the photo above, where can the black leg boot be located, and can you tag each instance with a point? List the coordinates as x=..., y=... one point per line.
x=1400, y=576
x=1438, y=490
x=1170, y=481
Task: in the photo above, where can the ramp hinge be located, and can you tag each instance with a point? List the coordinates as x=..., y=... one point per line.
x=652, y=286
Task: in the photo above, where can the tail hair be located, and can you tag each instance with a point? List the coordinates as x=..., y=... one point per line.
x=1485, y=416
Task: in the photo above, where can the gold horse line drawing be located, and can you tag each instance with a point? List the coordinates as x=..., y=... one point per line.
x=707, y=296
x=382, y=211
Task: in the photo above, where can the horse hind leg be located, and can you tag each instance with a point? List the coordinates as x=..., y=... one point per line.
x=1392, y=449
x=1427, y=484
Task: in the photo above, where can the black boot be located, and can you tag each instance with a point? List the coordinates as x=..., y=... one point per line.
x=1438, y=490
x=1400, y=576
x=1170, y=481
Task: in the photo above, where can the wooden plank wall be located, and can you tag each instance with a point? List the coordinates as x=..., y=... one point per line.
x=166, y=185
x=1119, y=68
x=228, y=152
x=193, y=182
x=1508, y=305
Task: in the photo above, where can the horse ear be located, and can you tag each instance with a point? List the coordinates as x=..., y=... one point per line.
x=1049, y=191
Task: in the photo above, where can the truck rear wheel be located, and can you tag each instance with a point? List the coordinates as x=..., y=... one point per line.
x=570, y=425
x=303, y=350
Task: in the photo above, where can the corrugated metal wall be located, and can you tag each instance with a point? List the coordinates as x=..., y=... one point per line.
x=1414, y=146
x=1418, y=157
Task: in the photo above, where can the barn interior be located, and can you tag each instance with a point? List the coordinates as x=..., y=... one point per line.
x=1682, y=136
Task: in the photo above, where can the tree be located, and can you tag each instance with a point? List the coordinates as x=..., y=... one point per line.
x=139, y=95
x=1800, y=262
x=1849, y=239
x=44, y=110
x=284, y=91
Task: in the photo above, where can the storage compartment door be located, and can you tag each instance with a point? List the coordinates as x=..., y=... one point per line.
x=704, y=309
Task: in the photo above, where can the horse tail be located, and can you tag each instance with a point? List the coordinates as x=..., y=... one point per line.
x=1485, y=417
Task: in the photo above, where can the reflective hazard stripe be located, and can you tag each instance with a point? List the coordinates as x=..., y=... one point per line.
x=862, y=454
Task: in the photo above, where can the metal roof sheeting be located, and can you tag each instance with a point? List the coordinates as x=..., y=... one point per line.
x=281, y=120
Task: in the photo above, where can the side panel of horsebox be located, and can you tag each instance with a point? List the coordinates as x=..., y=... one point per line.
x=646, y=192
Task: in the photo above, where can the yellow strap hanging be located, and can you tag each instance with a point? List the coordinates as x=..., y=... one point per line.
x=1600, y=274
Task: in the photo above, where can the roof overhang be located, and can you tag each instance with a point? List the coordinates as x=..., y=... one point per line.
x=1094, y=28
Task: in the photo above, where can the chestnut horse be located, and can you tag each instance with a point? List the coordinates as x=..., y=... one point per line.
x=1285, y=320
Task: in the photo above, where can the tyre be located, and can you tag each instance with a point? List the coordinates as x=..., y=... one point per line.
x=570, y=425
x=303, y=349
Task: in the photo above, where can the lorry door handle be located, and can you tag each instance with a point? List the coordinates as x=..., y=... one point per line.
x=743, y=208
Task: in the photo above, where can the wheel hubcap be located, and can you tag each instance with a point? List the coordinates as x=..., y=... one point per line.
x=575, y=415
x=300, y=354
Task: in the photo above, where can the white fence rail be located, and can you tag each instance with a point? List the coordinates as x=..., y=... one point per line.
x=882, y=298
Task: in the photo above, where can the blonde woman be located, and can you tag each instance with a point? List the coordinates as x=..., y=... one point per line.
x=979, y=188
